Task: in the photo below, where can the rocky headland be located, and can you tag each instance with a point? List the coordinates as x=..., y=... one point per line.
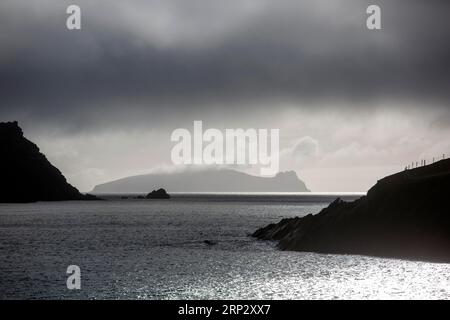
x=26, y=174
x=406, y=215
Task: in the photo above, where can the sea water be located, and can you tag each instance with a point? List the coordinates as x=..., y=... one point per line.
x=189, y=247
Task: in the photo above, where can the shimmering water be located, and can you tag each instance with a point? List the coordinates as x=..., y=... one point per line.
x=137, y=249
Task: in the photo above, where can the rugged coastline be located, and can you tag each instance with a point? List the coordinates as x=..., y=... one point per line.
x=406, y=215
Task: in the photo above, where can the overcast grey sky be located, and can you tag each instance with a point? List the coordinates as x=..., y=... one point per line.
x=352, y=105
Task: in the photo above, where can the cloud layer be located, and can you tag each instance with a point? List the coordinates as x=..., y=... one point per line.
x=139, y=69
x=138, y=58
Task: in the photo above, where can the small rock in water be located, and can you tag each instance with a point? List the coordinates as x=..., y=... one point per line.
x=158, y=194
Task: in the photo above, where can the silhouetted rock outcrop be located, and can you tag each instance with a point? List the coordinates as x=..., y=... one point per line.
x=26, y=175
x=406, y=215
x=158, y=194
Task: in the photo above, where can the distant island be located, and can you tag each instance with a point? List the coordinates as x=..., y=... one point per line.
x=26, y=174
x=406, y=215
x=209, y=180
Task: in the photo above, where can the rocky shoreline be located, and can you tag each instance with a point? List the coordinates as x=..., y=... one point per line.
x=406, y=215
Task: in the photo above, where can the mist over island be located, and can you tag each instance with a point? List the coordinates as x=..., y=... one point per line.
x=207, y=180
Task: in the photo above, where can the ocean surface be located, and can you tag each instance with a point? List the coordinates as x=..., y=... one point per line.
x=155, y=249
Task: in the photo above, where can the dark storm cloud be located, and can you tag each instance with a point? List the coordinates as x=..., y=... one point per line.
x=204, y=54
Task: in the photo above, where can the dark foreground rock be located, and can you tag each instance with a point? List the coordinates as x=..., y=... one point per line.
x=406, y=215
x=26, y=174
x=158, y=194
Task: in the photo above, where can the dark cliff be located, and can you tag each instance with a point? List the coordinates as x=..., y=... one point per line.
x=26, y=174
x=406, y=215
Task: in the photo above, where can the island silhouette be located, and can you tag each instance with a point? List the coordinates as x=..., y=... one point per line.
x=205, y=180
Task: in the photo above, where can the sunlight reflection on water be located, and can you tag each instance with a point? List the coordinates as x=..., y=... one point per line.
x=155, y=250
